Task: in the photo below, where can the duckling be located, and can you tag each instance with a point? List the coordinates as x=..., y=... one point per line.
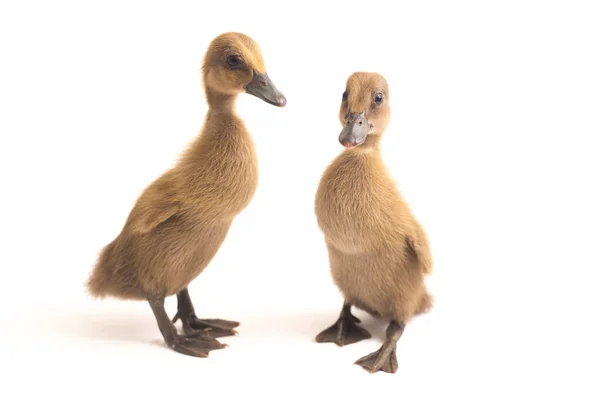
x=378, y=252
x=179, y=222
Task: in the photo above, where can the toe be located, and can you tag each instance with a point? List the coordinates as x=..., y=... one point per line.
x=215, y=323
x=189, y=351
x=204, y=344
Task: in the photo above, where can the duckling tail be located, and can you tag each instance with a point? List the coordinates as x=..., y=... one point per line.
x=425, y=304
x=99, y=283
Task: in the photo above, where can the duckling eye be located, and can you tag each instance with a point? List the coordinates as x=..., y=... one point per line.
x=234, y=62
x=344, y=96
x=378, y=98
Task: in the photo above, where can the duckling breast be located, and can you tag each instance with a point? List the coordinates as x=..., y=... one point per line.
x=356, y=208
x=221, y=170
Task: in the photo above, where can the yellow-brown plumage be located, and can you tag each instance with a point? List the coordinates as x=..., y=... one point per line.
x=180, y=220
x=378, y=252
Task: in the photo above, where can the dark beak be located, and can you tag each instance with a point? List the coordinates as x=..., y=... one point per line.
x=262, y=87
x=355, y=130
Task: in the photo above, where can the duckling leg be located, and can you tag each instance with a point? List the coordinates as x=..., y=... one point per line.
x=191, y=323
x=384, y=359
x=198, y=344
x=345, y=330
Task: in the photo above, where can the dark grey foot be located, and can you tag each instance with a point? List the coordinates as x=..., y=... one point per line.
x=345, y=330
x=195, y=347
x=191, y=323
x=197, y=343
x=384, y=359
x=215, y=327
x=380, y=360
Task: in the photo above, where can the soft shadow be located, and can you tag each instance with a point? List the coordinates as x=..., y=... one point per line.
x=376, y=326
x=110, y=325
x=305, y=325
x=140, y=327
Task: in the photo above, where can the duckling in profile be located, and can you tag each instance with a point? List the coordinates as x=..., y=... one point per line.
x=378, y=252
x=181, y=219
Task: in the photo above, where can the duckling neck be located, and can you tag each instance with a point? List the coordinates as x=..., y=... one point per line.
x=220, y=102
x=371, y=144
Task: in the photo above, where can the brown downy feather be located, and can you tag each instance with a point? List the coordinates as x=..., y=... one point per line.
x=180, y=220
x=378, y=252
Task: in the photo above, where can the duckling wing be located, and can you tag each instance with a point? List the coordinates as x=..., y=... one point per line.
x=156, y=204
x=419, y=245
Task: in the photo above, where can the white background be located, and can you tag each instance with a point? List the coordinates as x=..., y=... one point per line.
x=493, y=142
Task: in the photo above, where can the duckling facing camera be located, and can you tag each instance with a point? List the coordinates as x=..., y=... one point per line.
x=179, y=222
x=378, y=252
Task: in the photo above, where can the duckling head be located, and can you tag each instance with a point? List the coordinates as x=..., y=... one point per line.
x=234, y=64
x=365, y=109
